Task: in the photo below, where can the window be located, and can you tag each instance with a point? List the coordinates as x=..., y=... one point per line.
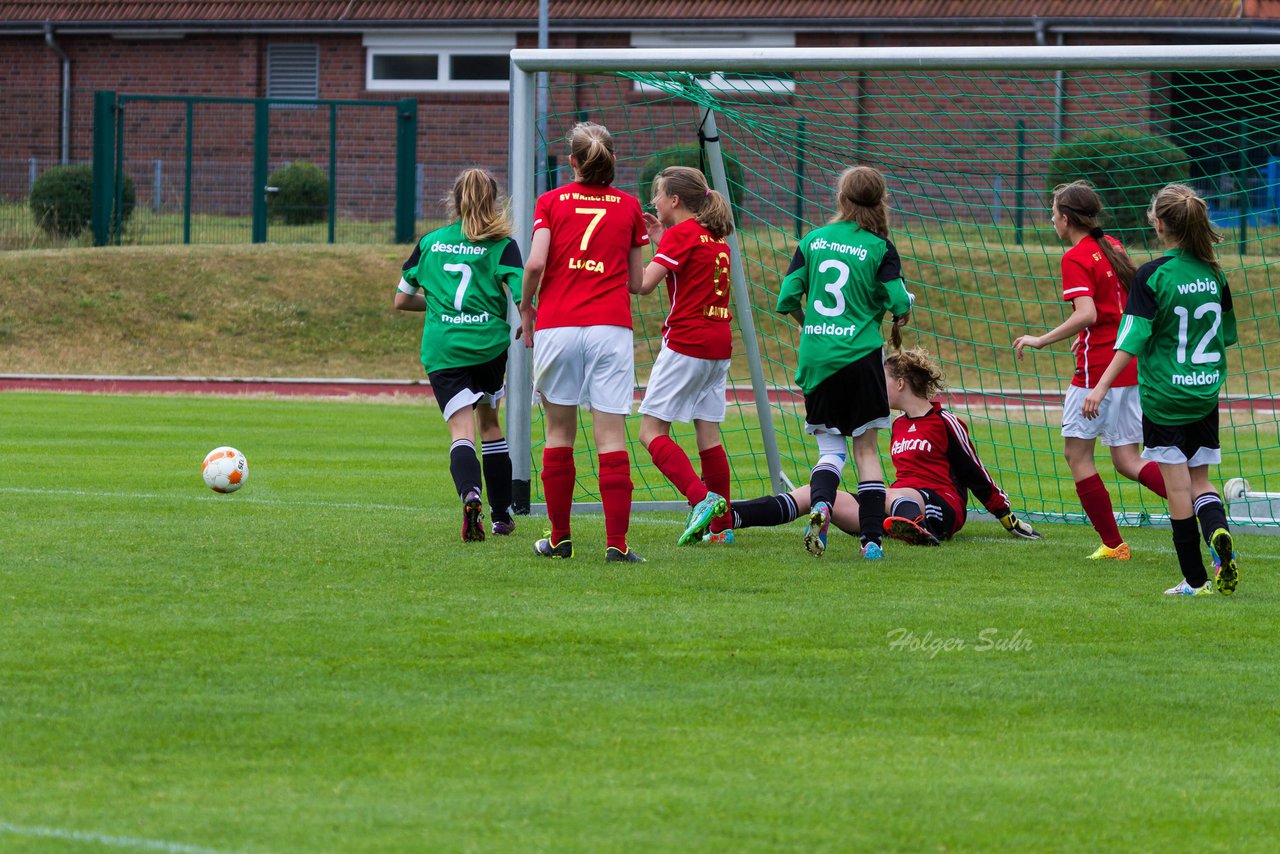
x=443, y=62
x=293, y=71
x=728, y=83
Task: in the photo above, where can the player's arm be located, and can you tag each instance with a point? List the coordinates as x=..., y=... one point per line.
x=890, y=276
x=1131, y=338
x=795, y=287
x=408, y=297
x=1084, y=313
x=637, y=273
x=969, y=472
x=534, y=268
x=1229, y=334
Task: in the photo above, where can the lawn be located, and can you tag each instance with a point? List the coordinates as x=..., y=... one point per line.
x=316, y=664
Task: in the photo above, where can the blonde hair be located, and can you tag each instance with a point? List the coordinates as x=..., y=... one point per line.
x=1185, y=218
x=1080, y=203
x=708, y=206
x=476, y=201
x=861, y=198
x=917, y=367
x=592, y=149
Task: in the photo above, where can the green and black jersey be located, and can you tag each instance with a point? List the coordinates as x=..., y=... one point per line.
x=466, y=286
x=1178, y=322
x=844, y=278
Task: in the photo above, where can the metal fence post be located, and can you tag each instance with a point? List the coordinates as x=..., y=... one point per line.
x=104, y=164
x=406, y=160
x=261, y=134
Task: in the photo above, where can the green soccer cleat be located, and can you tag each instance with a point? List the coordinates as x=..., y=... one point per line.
x=544, y=548
x=815, y=533
x=1225, y=559
x=700, y=518
x=613, y=554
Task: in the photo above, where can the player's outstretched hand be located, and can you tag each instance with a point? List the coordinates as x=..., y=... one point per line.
x=527, y=314
x=1032, y=341
x=655, y=228
x=1019, y=528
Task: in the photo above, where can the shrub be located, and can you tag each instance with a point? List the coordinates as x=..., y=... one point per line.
x=301, y=196
x=688, y=155
x=62, y=200
x=1126, y=167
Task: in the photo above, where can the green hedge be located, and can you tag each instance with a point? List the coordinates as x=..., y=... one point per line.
x=62, y=200
x=688, y=155
x=301, y=196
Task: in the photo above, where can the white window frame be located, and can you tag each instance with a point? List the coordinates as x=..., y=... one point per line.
x=659, y=39
x=444, y=45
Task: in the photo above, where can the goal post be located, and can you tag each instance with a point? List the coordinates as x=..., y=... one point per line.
x=968, y=139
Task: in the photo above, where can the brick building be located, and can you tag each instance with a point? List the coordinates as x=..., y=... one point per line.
x=450, y=56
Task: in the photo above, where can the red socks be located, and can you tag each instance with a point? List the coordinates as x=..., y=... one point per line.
x=1152, y=479
x=1097, y=506
x=615, y=495
x=674, y=464
x=558, y=474
x=716, y=476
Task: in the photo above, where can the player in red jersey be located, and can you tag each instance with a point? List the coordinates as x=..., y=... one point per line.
x=1096, y=274
x=688, y=378
x=933, y=457
x=584, y=261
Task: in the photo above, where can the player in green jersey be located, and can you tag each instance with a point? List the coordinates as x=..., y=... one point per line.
x=844, y=277
x=462, y=276
x=1179, y=321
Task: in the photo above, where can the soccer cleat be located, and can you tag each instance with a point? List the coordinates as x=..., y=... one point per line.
x=472, y=518
x=872, y=551
x=613, y=554
x=504, y=529
x=1224, y=556
x=724, y=537
x=1105, y=552
x=1182, y=588
x=910, y=531
x=544, y=548
x=815, y=533
x=700, y=518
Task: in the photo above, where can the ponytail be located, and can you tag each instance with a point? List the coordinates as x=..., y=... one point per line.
x=476, y=201
x=709, y=207
x=1082, y=206
x=592, y=149
x=1185, y=218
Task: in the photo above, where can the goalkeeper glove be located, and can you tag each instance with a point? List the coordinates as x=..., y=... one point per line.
x=1019, y=528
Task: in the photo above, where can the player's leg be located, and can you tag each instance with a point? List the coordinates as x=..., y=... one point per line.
x=1122, y=434
x=717, y=477
x=780, y=509
x=558, y=371
x=456, y=396
x=496, y=463
x=1165, y=444
x=906, y=517
x=1079, y=440
x=669, y=458
x=871, y=491
x=1203, y=451
x=609, y=382
x=824, y=483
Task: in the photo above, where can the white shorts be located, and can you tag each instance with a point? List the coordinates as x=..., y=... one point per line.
x=1119, y=420
x=589, y=366
x=684, y=388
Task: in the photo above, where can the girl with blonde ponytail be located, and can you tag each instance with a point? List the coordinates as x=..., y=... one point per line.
x=462, y=277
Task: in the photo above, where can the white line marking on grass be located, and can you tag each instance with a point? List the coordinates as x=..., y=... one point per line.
x=85, y=493
x=136, y=843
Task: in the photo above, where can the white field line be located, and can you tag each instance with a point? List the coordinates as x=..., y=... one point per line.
x=86, y=493
x=131, y=842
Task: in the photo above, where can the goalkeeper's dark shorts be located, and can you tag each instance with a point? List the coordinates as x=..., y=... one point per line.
x=850, y=401
x=941, y=517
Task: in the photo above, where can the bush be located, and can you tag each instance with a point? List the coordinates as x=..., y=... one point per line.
x=301, y=196
x=688, y=155
x=62, y=200
x=1127, y=167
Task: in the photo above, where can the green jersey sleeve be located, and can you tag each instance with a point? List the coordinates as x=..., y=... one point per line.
x=890, y=275
x=795, y=284
x=1229, y=335
x=1139, y=313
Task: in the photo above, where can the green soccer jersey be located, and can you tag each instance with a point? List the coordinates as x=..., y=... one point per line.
x=844, y=278
x=466, y=287
x=1178, y=322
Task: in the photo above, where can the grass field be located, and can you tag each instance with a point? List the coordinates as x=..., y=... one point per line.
x=316, y=664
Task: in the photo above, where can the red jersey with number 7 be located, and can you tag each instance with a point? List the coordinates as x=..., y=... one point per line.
x=593, y=230
x=698, y=287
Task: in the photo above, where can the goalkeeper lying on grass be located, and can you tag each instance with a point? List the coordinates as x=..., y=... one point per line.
x=936, y=467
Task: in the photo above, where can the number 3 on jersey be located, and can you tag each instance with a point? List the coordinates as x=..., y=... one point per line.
x=464, y=273
x=835, y=288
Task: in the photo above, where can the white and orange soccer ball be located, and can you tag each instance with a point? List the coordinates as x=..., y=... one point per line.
x=225, y=469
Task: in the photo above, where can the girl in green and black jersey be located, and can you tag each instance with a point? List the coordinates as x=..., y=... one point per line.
x=1179, y=322
x=462, y=276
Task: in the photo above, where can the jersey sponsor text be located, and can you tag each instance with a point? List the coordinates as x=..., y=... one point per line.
x=1196, y=379
x=464, y=318
x=903, y=445
x=1199, y=286
x=587, y=264
x=830, y=329
x=860, y=252
x=457, y=248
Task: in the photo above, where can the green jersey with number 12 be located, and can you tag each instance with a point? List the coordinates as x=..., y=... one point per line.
x=1178, y=322
x=844, y=278
x=465, y=284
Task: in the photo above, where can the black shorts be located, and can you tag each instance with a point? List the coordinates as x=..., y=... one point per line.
x=1195, y=444
x=455, y=388
x=851, y=400
x=939, y=516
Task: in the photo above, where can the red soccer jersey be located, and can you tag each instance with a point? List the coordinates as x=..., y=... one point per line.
x=1087, y=273
x=698, y=286
x=593, y=230
x=934, y=452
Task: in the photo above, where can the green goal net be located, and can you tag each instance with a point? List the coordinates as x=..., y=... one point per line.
x=970, y=154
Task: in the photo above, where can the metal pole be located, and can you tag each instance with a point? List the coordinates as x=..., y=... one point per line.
x=1020, y=180
x=742, y=304
x=186, y=190
x=800, y=155
x=519, y=366
x=544, y=97
x=333, y=171
x=157, y=182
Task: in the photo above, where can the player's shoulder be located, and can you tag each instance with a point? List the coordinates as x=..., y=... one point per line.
x=1152, y=267
x=445, y=234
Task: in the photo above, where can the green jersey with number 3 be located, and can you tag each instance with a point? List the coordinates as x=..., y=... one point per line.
x=1178, y=322
x=466, y=286
x=844, y=278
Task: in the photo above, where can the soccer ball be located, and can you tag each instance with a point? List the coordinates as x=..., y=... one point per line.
x=1235, y=489
x=225, y=469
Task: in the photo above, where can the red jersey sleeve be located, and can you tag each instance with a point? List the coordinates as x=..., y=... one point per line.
x=542, y=213
x=1077, y=279
x=967, y=467
x=640, y=231
x=673, y=248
